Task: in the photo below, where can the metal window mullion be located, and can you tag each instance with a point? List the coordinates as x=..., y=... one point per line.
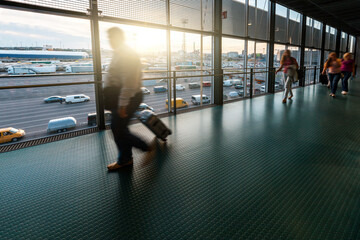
x=338, y=39
x=246, y=18
x=95, y=39
x=287, y=25
x=302, y=49
x=245, y=65
x=168, y=48
x=322, y=56
x=201, y=53
x=218, y=79
x=271, y=47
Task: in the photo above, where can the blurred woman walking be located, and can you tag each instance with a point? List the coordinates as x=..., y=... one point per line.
x=290, y=66
x=334, y=65
x=348, y=69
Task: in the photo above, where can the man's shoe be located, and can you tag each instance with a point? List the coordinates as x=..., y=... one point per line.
x=115, y=166
x=343, y=92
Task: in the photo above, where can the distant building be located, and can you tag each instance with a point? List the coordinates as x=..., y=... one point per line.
x=232, y=54
x=31, y=55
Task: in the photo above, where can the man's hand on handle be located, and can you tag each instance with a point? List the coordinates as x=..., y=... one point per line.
x=122, y=112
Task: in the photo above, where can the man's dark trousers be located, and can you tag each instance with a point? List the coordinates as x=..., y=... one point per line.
x=122, y=136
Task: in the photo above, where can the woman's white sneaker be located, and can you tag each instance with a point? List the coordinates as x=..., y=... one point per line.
x=343, y=93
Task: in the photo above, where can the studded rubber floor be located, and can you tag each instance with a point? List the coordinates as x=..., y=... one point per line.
x=254, y=169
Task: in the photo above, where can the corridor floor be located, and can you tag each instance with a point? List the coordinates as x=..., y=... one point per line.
x=253, y=169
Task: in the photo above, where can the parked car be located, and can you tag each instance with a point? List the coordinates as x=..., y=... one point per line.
x=196, y=99
x=179, y=87
x=145, y=91
x=207, y=84
x=236, y=82
x=77, y=98
x=194, y=85
x=11, y=134
x=159, y=89
x=233, y=94
x=144, y=106
x=262, y=89
x=92, y=118
x=54, y=99
x=180, y=103
x=238, y=86
x=227, y=83
x=61, y=124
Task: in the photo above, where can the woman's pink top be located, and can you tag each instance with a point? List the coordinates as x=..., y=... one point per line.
x=335, y=66
x=288, y=62
x=347, y=65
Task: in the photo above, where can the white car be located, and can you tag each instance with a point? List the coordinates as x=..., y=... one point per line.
x=180, y=87
x=145, y=91
x=77, y=98
x=233, y=94
x=196, y=99
x=227, y=83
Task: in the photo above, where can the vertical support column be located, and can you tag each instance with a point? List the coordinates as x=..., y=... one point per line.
x=251, y=82
x=355, y=48
x=95, y=39
x=174, y=85
x=347, y=43
x=246, y=18
x=168, y=46
x=302, y=50
x=338, y=39
x=315, y=69
x=271, y=75
x=322, y=56
x=218, y=79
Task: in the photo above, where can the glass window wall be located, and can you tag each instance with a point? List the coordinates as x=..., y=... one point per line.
x=190, y=14
x=258, y=23
x=233, y=64
x=281, y=16
x=294, y=28
x=49, y=49
x=317, y=34
x=279, y=78
x=234, y=17
x=150, y=45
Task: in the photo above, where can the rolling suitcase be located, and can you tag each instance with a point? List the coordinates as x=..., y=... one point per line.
x=151, y=121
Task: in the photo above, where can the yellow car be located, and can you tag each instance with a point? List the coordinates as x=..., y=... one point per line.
x=180, y=103
x=10, y=134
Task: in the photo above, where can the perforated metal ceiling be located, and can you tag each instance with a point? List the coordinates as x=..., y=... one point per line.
x=343, y=14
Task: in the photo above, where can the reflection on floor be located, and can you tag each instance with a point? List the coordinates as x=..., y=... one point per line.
x=255, y=169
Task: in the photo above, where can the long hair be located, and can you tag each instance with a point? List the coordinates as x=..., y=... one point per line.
x=283, y=57
x=347, y=55
x=329, y=60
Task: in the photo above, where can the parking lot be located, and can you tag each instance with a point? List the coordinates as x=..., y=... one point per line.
x=25, y=108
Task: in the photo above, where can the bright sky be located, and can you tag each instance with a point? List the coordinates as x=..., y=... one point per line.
x=20, y=28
